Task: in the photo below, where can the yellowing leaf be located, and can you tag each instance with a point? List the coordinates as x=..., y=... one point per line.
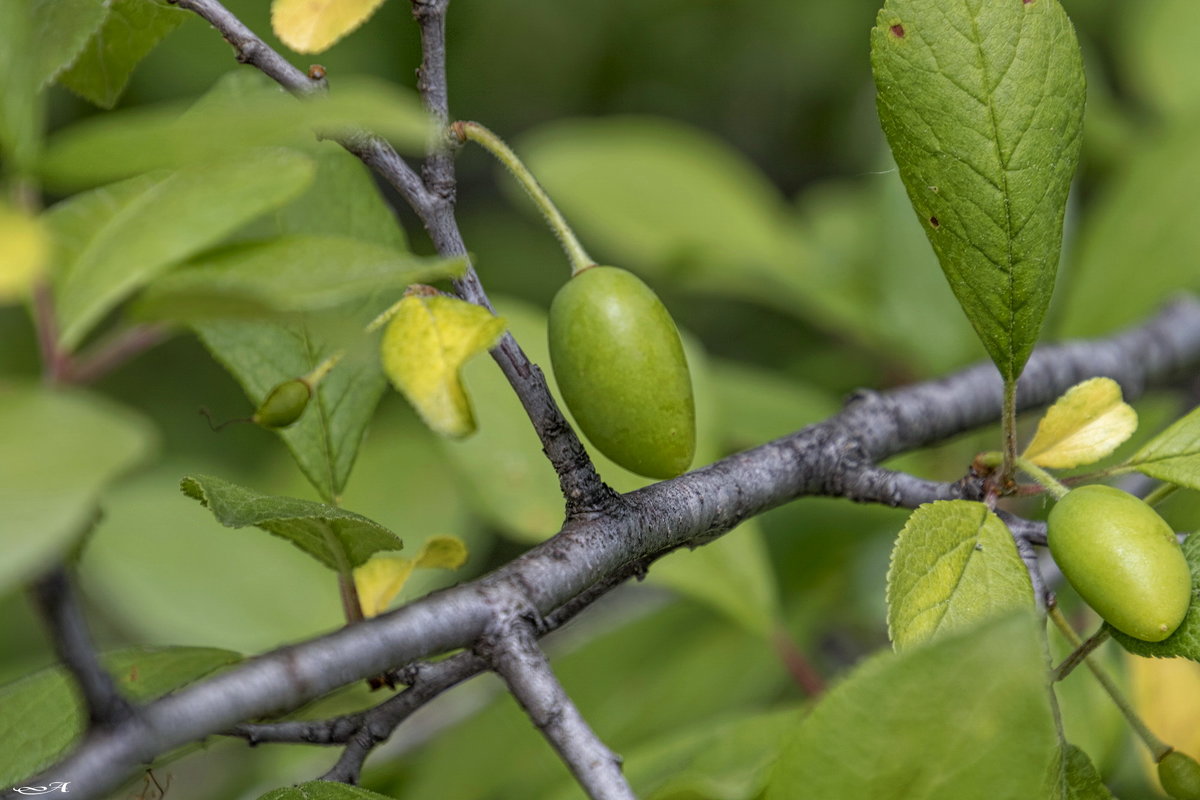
x=379, y=580
x=442, y=552
x=383, y=577
x=1165, y=692
x=24, y=247
x=312, y=26
x=426, y=344
x=1083, y=426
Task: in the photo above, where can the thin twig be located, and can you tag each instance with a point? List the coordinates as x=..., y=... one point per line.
x=109, y=354
x=55, y=597
x=515, y=655
x=1082, y=650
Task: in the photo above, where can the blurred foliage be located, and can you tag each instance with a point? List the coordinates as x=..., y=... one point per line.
x=828, y=285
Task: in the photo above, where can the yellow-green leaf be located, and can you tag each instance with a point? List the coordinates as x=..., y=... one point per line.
x=426, y=344
x=312, y=26
x=442, y=552
x=383, y=577
x=1083, y=426
x=23, y=250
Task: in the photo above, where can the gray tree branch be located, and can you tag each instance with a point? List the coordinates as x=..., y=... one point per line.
x=827, y=458
x=57, y=599
x=513, y=652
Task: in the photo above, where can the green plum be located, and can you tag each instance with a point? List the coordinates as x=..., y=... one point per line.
x=284, y=404
x=620, y=365
x=1122, y=558
x=1179, y=775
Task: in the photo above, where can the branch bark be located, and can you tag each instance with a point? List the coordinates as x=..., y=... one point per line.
x=515, y=655
x=56, y=598
x=828, y=458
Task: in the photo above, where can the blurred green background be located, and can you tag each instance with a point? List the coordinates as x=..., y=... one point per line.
x=730, y=154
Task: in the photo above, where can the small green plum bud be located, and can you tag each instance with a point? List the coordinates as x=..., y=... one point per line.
x=1122, y=558
x=284, y=404
x=1179, y=775
x=620, y=365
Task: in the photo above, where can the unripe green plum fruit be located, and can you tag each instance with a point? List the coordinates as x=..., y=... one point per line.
x=1122, y=558
x=1179, y=775
x=284, y=404
x=619, y=363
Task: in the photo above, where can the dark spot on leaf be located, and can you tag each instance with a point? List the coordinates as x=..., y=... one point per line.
x=1027, y=2
x=934, y=222
x=898, y=31
x=933, y=189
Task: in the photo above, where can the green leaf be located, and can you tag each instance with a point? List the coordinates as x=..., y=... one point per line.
x=428, y=340
x=954, y=564
x=270, y=594
x=22, y=109
x=113, y=240
x=325, y=440
x=1086, y=424
x=61, y=449
x=339, y=539
x=1185, y=641
x=343, y=200
x=225, y=123
x=982, y=104
x=1173, y=455
x=41, y=715
x=1131, y=254
x=651, y=193
x=922, y=724
x=287, y=275
x=1073, y=777
x=312, y=27
x=131, y=30
x=61, y=28
x=322, y=790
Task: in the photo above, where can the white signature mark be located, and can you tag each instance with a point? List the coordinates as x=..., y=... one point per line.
x=53, y=786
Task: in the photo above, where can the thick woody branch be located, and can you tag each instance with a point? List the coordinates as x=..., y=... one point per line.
x=515, y=655
x=363, y=731
x=56, y=598
x=687, y=511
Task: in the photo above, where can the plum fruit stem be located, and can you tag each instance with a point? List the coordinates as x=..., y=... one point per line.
x=474, y=132
x=1158, y=749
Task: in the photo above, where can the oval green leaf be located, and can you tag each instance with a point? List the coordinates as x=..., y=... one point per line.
x=954, y=564
x=982, y=104
x=339, y=539
x=1173, y=455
